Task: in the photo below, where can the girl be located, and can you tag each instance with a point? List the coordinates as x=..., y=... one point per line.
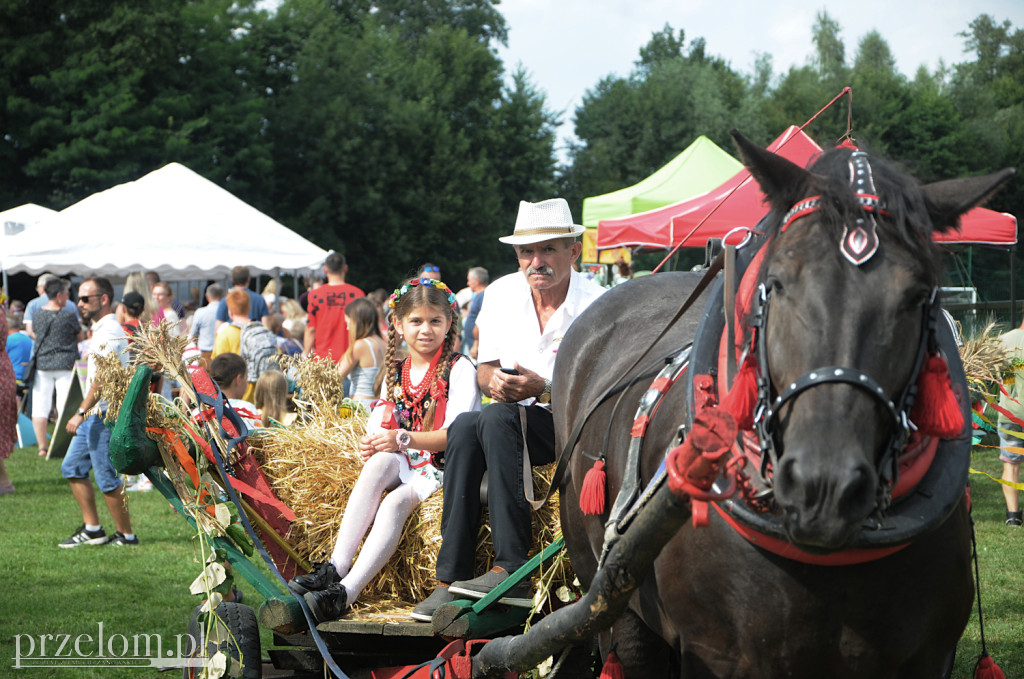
x=365, y=350
x=420, y=397
x=271, y=399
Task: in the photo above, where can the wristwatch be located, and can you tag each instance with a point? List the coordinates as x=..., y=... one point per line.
x=81, y=413
x=403, y=438
x=545, y=396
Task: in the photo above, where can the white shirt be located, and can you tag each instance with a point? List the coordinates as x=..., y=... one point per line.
x=510, y=332
x=107, y=337
x=204, y=325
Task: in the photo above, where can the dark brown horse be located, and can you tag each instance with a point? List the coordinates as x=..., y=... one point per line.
x=709, y=602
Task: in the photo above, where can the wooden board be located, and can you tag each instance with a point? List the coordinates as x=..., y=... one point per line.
x=61, y=438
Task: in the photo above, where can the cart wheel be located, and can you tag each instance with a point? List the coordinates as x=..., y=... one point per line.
x=241, y=621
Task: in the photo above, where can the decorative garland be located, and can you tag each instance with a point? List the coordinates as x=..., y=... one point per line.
x=393, y=299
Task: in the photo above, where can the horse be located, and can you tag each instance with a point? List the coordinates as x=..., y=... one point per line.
x=818, y=568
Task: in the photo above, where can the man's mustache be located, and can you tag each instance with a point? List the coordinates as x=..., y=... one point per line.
x=542, y=270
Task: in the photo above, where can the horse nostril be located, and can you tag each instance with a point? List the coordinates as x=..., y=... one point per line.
x=790, y=485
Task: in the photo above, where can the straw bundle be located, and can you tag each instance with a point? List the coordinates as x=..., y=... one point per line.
x=985, y=360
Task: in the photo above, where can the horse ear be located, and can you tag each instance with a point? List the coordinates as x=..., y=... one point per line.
x=784, y=182
x=949, y=199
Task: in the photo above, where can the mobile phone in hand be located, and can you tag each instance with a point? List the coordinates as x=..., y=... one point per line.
x=510, y=371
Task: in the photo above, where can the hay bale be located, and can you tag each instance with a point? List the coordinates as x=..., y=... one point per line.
x=313, y=467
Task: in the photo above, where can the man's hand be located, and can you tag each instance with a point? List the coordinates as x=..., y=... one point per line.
x=74, y=423
x=507, y=388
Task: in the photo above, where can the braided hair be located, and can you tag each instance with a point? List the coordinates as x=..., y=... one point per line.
x=412, y=295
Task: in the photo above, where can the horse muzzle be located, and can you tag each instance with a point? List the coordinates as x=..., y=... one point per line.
x=825, y=501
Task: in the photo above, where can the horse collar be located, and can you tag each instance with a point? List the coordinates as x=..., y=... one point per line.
x=860, y=243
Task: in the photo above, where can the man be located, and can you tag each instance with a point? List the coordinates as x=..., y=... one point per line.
x=477, y=279
x=41, y=300
x=327, y=329
x=228, y=336
x=1012, y=399
x=258, y=310
x=428, y=270
x=90, y=447
x=204, y=322
x=524, y=317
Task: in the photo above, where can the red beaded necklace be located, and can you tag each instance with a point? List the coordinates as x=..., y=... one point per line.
x=415, y=394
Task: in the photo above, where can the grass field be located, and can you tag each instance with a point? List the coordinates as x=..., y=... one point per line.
x=144, y=590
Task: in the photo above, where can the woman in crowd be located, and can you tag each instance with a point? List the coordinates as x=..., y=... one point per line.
x=165, y=309
x=56, y=350
x=365, y=352
x=8, y=409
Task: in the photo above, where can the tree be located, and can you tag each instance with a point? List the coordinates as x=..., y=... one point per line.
x=629, y=127
x=133, y=86
x=395, y=140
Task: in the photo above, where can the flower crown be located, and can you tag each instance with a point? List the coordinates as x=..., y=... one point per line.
x=393, y=300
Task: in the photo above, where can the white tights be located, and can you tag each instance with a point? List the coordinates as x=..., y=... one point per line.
x=388, y=517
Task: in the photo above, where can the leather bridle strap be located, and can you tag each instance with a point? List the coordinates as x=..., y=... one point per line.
x=574, y=436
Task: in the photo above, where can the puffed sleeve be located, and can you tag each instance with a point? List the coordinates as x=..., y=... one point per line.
x=463, y=391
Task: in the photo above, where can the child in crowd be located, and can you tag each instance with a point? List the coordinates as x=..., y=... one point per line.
x=365, y=351
x=420, y=397
x=271, y=399
x=230, y=373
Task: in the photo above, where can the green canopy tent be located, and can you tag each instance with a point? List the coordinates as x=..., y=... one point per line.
x=701, y=167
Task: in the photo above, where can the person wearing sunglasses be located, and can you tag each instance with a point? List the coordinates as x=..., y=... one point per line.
x=90, y=447
x=428, y=270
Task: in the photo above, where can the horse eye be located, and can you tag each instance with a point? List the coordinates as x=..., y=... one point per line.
x=775, y=285
x=918, y=296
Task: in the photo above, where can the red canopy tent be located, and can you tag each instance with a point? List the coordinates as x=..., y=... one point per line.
x=739, y=202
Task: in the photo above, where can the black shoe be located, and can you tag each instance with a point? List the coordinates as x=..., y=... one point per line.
x=119, y=540
x=320, y=578
x=328, y=604
x=521, y=595
x=86, y=537
x=424, y=610
x=1014, y=518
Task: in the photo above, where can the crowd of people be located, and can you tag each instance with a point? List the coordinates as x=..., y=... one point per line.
x=422, y=360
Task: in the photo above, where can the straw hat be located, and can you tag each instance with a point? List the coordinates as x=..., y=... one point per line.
x=537, y=222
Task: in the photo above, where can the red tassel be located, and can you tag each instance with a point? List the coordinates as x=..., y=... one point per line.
x=593, y=491
x=936, y=411
x=741, y=400
x=986, y=669
x=612, y=668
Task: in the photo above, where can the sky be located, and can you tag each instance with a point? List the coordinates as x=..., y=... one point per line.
x=567, y=46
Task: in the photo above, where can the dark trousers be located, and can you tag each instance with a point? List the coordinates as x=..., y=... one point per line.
x=491, y=440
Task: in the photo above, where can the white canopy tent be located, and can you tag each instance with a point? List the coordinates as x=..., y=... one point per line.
x=172, y=221
x=17, y=219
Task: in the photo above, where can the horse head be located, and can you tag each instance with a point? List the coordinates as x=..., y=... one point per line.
x=849, y=278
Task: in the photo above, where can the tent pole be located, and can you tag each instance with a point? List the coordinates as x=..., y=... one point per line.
x=1013, y=287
